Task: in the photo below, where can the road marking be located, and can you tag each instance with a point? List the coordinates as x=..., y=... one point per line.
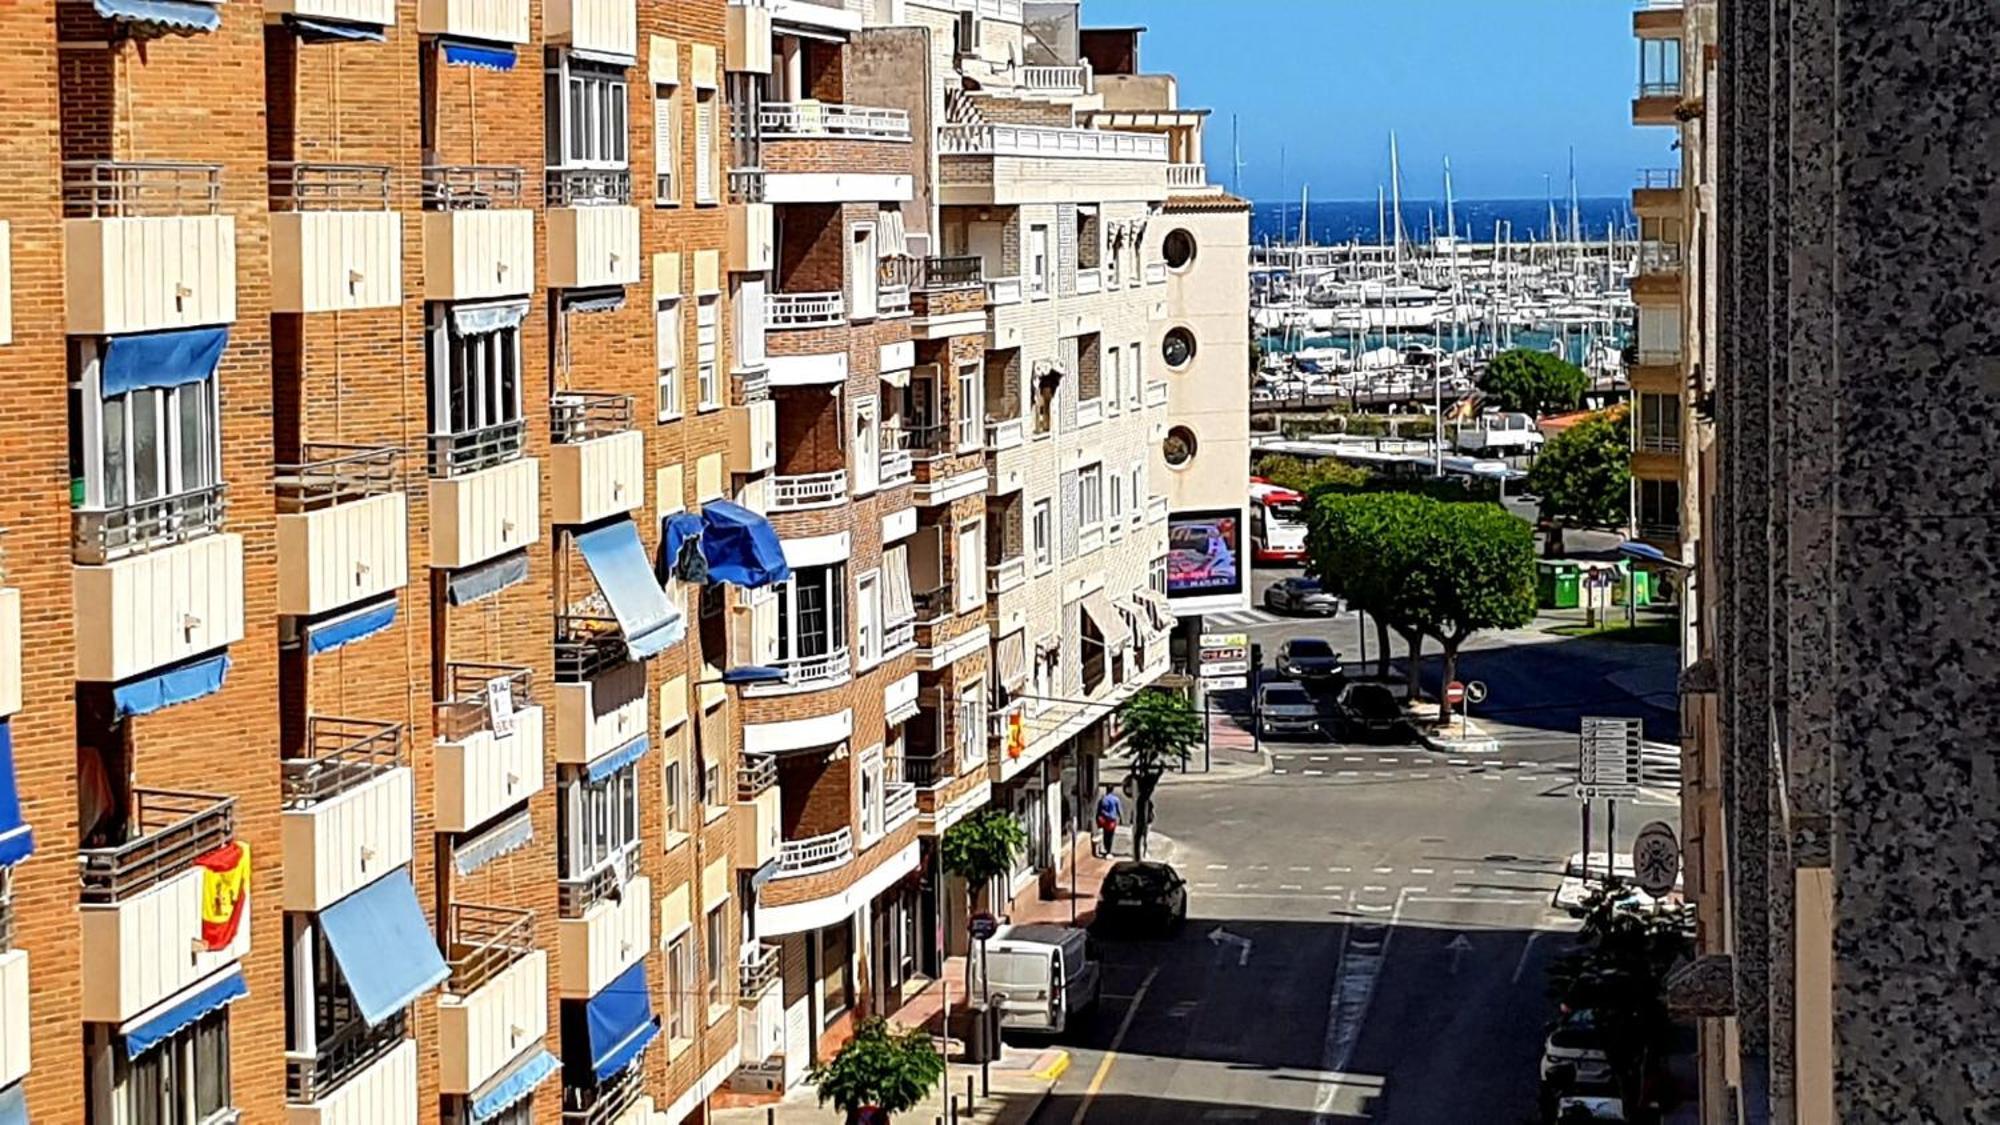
x=1458, y=761
x=1385, y=870
x=1422, y=871
x=1333, y=888
x=1290, y=887
x=1260, y=867
x=1523, y=962
x=1340, y=870
x=1479, y=901
x=1374, y=890
x=1315, y=773
x=1385, y=773
x=1296, y=867
x=1111, y=1054
x=1218, y=867
x=1464, y=871
x=1420, y=777
x=1416, y=890
x=1347, y=1008
x=1319, y=757
x=1350, y=757
x=1386, y=758
x=1278, y=771
x=1349, y=773
x=1205, y=886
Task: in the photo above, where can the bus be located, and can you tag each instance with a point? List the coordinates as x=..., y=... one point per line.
x=1277, y=523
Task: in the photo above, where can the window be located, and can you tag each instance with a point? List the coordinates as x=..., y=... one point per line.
x=585, y=109
x=1138, y=490
x=1114, y=375
x=667, y=144
x=1042, y=538
x=715, y=938
x=1117, y=496
x=1068, y=519
x=475, y=385
x=1659, y=67
x=1135, y=385
x=704, y=146
x=184, y=1080
x=871, y=795
x=812, y=613
x=714, y=801
x=971, y=740
x=667, y=331
x=707, y=327
x=868, y=619
x=971, y=406
x=680, y=987
x=1039, y=265
x=1045, y=676
x=1112, y=260
x=1659, y=423
x=1659, y=335
x=748, y=307
x=144, y=444
x=673, y=786
x=863, y=274
x=1659, y=508
x=599, y=821
x=1157, y=576
x=1089, y=242
x=1090, y=495
x=867, y=444
x=1177, y=348
x=1178, y=249
x=1179, y=446
x=971, y=588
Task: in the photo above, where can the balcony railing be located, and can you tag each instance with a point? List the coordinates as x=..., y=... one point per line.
x=1659, y=531
x=1187, y=175
x=998, y=720
x=922, y=442
x=807, y=490
x=168, y=831
x=961, y=272
x=589, y=187
x=341, y=1056
x=892, y=300
x=899, y=635
x=815, y=853
x=103, y=535
x=330, y=474
x=758, y=967
x=1005, y=433
x=125, y=189
x=1056, y=79
x=804, y=310
x=1006, y=574
x=341, y=755
x=1659, y=257
x=471, y=187
x=607, y=1101
x=1660, y=89
x=1659, y=179
x=1003, y=290
x=990, y=139
x=934, y=605
x=927, y=772
x=469, y=451
x=1659, y=443
x=604, y=883
x=300, y=186
x=580, y=416
x=899, y=805
x=469, y=706
x=746, y=185
x=1658, y=356
x=897, y=467
x=1089, y=279
x=481, y=942
x=831, y=119
x=801, y=670
x=755, y=774
x=6, y=921
x=753, y=385
x=587, y=646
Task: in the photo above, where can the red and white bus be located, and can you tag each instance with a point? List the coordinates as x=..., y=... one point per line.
x=1277, y=523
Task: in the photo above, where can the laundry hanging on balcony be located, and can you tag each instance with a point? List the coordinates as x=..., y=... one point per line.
x=150, y=18
x=740, y=546
x=618, y=562
x=485, y=56
x=182, y=683
x=618, y=1024
x=17, y=840
x=160, y=359
x=384, y=946
x=680, y=551
x=143, y=1037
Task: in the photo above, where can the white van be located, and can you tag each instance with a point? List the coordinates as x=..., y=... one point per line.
x=1046, y=976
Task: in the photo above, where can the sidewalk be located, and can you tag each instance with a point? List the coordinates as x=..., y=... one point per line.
x=1021, y=1080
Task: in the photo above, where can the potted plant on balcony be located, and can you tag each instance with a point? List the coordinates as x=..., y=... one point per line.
x=883, y=1070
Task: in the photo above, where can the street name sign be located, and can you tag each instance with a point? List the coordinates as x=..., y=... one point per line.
x=1610, y=759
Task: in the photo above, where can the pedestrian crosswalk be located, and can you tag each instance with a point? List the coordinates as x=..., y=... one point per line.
x=1238, y=619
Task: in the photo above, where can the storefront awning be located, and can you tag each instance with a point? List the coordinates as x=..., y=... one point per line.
x=325, y=636
x=486, y=579
x=508, y=1089
x=335, y=31
x=160, y=359
x=180, y=684
x=178, y=16
x=740, y=546
x=620, y=1022
x=17, y=840
x=482, y=55
x=618, y=562
x=144, y=1036
x=384, y=946
x=1010, y=656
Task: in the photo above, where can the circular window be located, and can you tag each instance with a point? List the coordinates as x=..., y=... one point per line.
x=1178, y=348
x=1178, y=249
x=1179, y=446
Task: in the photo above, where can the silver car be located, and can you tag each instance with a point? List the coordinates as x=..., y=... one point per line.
x=1300, y=595
x=1286, y=708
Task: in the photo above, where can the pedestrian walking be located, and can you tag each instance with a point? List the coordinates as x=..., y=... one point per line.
x=1108, y=811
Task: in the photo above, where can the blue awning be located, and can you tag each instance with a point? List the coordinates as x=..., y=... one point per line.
x=764, y=874
x=648, y=620
x=740, y=546
x=384, y=946
x=486, y=579
x=161, y=359
x=484, y=56
x=676, y=531
x=14, y=1105
x=180, y=16
x=1646, y=552
x=146, y=1036
x=752, y=674
x=17, y=841
x=179, y=684
x=334, y=31
x=512, y=1086
x=620, y=1021
x=617, y=760
x=325, y=636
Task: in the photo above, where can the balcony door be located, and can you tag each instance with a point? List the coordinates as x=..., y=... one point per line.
x=863, y=274
x=867, y=444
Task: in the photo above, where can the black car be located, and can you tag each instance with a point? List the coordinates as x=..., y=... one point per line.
x=1142, y=896
x=1311, y=661
x=1371, y=711
x=1300, y=595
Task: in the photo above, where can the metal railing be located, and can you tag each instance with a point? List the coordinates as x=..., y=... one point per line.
x=1659, y=179
x=957, y=272
x=899, y=805
x=1003, y=290
x=168, y=829
x=995, y=139
x=1005, y=433
x=341, y=755
x=1659, y=443
x=1658, y=356
x=746, y=185
x=1662, y=531
x=347, y=1052
x=607, y=1101
x=1660, y=89
x=758, y=967
x=102, y=535
x=472, y=187
x=130, y=189
x=330, y=474
x=469, y=451
x=1056, y=79
x=580, y=416
x=481, y=942
x=935, y=604
x=927, y=772
x=832, y=119
x=998, y=720
x=804, y=310
x=588, y=187
x=921, y=442
x=605, y=883
x=897, y=467
x=303, y=186
x=899, y=635
x=815, y=853
x=753, y=385
x=755, y=774
x=807, y=490
x=799, y=670
x=1187, y=175
x=6, y=918
x=466, y=709
x=1659, y=257
x=1006, y=574
x=587, y=646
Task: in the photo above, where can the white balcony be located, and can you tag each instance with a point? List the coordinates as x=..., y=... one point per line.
x=1089, y=279
x=788, y=120
x=504, y=21
x=381, y=13
x=809, y=490
x=146, y=247
x=814, y=854
x=487, y=512
x=1156, y=393
x=141, y=902
x=1006, y=574
x=593, y=229
x=347, y=810
x=753, y=436
x=604, y=27
x=601, y=713
x=804, y=310
x=899, y=805
x=747, y=37
x=1003, y=290
x=597, y=466
x=479, y=241
x=603, y=939
x=759, y=830
x=1059, y=80
x=343, y=528
x=1156, y=273
x=14, y=996
x=10, y=651
x=335, y=244
x=483, y=771
x=1005, y=433
x=382, y=1093
x=897, y=467
x=146, y=610
x=1187, y=177
x=760, y=1032
x=1049, y=141
x=495, y=1005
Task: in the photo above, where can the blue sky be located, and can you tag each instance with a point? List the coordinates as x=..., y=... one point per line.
x=1503, y=87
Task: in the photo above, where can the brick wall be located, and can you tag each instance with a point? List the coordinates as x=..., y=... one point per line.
x=837, y=154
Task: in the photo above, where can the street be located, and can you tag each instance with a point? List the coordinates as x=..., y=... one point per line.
x=1369, y=925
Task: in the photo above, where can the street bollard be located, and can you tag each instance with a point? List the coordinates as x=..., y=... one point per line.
x=969, y=1100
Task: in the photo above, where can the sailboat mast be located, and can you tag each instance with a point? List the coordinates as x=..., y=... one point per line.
x=1396, y=202
x=1304, y=190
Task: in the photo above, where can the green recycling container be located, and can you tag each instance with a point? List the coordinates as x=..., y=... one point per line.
x=1556, y=586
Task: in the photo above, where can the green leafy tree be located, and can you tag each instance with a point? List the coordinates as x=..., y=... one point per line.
x=980, y=849
x=1584, y=476
x=884, y=1066
x=1534, y=382
x=1477, y=568
x=1362, y=547
x=1303, y=475
x=1160, y=728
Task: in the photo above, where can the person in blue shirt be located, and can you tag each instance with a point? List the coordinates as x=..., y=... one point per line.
x=1109, y=808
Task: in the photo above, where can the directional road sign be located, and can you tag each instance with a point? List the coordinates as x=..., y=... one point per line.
x=1610, y=759
x=1225, y=654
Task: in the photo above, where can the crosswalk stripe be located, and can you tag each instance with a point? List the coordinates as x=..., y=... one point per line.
x=1240, y=618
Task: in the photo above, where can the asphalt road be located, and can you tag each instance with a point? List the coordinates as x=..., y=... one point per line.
x=1370, y=926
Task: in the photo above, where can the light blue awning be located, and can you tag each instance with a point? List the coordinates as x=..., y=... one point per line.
x=178, y=16
x=620, y=1021
x=482, y=55
x=593, y=300
x=17, y=841
x=740, y=546
x=648, y=620
x=325, y=636
x=146, y=1036
x=14, y=1105
x=617, y=760
x=335, y=31
x=486, y=579
x=384, y=946
x=161, y=359
x=179, y=684
x=512, y=1086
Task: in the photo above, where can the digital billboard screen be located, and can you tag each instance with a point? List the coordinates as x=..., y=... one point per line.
x=1204, y=553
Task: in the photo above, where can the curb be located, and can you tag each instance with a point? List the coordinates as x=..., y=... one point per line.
x=1055, y=1070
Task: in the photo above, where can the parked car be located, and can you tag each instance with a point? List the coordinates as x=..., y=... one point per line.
x=1372, y=712
x=1286, y=708
x=1142, y=897
x=1587, y=1109
x=1046, y=976
x=1311, y=660
x=1575, y=1050
x=1300, y=595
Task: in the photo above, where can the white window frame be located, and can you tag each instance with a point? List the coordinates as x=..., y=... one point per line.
x=602, y=826
x=869, y=780
x=867, y=444
x=867, y=619
x=719, y=966
x=747, y=306
x=1135, y=390
x=669, y=334
x=674, y=800
x=707, y=117
x=707, y=337
x=971, y=742
x=136, y=1087
x=1042, y=533
x=1116, y=509
x=1114, y=378
x=1090, y=496
x=681, y=977
x=832, y=585
x=666, y=144
x=588, y=118
x=971, y=405
x=171, y=408
x=1039, y=261
x=1138, y=491
x=970, y=593
x=864, y=296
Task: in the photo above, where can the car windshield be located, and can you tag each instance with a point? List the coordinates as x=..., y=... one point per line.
x=1136, y=879
x=1309, y=649
x=1577, y=1033
x=1305, y=585
x=1372, y=699
x=1286, y=695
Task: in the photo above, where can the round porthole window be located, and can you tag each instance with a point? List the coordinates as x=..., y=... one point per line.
x=1179, y=446
x=1178, y=348
x=1178, y=249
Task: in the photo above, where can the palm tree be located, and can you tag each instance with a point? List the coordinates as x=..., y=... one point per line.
x=1160, y=729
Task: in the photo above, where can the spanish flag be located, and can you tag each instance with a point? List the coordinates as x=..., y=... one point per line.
x=1017, y=735
x=225, y=888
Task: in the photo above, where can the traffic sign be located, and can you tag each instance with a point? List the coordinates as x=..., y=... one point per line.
x=1475, y=691
x=1656, y=858
x=983, y=926
x=1610, y=759
x=1225, y=654
x=1454, y=694
x=1225, y=683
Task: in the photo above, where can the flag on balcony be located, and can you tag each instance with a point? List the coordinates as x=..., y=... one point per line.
x=1017, y=735
x=225, y=889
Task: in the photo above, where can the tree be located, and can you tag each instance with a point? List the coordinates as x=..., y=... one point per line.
x=980, y=849
x=1160, y=729
x=885, y=1067
x=1584, y=475
x=1303, y=475
x=1362, y=547
x=1534, y=382
x=1477, y=568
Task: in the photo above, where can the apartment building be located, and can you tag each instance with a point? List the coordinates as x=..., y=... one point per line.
x=1669, y=79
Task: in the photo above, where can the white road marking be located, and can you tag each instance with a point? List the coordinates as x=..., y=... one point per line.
x=1350, y=757
x=1384, y=870
x=1340, y=870
x=1296, y=867
x=1479, y=901
x=1260, y=867
x=1458, y=761
x=1319, y=757
x=1416, y=890
x=1385, y=773
x=1349, y=773
x=1333, y=888
x=1218, y=867
x=1205, y=886
x=1523, y=962
x=1374, y=890
x=1315, y=773
x=1420, y=777
x=1386, y=758
x=1353, y=991
x=1423, y=871
x=1290, y=887
x=1457, y=871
